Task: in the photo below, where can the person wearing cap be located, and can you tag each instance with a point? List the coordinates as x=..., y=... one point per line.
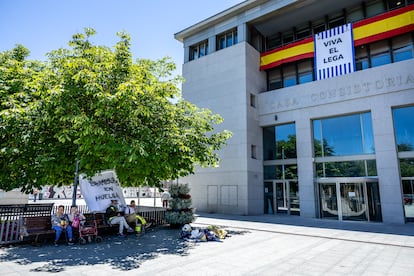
x=114, y=216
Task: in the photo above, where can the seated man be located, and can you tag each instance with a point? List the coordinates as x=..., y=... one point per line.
x=60, y=223
x=114, y=217
x=135, y=220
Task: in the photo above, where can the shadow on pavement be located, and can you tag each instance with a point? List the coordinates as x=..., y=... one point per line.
x=119, y=253
x=361, y=226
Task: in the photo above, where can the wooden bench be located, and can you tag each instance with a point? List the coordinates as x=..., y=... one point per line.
x=36, y=229
x=101, y=223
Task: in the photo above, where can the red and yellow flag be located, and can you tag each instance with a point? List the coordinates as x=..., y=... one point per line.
x=366, y=31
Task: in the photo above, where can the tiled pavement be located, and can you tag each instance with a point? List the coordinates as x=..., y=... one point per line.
x=258, y=245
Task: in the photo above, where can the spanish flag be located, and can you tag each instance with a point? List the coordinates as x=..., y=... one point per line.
x=366, y=31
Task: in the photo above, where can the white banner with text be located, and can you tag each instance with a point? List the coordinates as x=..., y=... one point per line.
x=99, y=190
x=334, y=52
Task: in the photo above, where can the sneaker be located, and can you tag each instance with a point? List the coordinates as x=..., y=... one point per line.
x=70, y=243
x=121, y=235
x=130, y=230
x=55, y=243
x=148, y=225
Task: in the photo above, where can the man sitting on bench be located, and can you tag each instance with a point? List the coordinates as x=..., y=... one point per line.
x=60, y=223
x=135, y=220
x=114, y=216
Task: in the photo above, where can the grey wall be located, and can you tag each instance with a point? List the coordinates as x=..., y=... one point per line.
x=376, y=90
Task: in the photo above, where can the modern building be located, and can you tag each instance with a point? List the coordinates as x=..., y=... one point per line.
x=319, y=96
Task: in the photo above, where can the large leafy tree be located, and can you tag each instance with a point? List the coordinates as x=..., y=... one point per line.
x=95, y=105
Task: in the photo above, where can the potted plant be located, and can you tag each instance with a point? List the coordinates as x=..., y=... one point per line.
x=179, y=211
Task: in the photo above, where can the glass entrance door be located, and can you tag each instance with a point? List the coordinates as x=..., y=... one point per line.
x=353, y=201
x=350, y=199
x=408, y=197
x=328, y=201
x=268, y=197
x=287, y=197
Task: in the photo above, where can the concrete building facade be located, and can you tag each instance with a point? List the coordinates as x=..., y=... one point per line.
x=340, y=147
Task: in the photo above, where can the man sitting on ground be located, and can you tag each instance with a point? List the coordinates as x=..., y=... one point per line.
x=114, y=216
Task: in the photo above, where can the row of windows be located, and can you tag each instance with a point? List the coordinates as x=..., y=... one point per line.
x=364, y=10
x=336, y=138
x=223, y=40
x=366, y=56
x=199, y=50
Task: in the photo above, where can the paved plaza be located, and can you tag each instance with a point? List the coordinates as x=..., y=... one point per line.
x=258, y=245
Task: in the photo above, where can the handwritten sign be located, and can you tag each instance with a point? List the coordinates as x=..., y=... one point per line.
x=99, y=190
x=334, y=52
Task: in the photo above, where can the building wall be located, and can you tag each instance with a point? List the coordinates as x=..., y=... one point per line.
x=236, y=184
x=227, y=80
x=376, y=90
x=13, y=197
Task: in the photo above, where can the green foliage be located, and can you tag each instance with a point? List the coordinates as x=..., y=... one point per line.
x=95, y=105
x=180, y=211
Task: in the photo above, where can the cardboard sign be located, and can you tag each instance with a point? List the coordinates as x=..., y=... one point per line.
x=99, y=190
x=334, y=52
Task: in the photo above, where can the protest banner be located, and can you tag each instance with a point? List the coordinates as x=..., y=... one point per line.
x=99, y=190
x=334, y=52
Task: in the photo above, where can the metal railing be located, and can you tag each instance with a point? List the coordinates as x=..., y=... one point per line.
x=11, y=217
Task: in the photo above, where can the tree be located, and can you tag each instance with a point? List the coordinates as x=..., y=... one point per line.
x=97, y=106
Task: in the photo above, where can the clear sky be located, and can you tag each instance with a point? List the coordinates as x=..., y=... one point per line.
x=45, y=25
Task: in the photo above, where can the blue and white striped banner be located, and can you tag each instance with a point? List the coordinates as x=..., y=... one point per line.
x=334, y=52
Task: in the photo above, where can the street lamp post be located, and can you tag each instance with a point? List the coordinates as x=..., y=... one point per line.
x=75, y=183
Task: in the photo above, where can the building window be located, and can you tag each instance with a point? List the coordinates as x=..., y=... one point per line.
x=404, y=137
x=273, y=41
x=252, y=100
x=279, y=142
x=366, y=56
x=227, y=39
x=353, y=14
x=305, y=71
x=275, y=79
x=402, y=48
x=303, y=32
x=287, y=37
x=289, y=75
x=394, y=4
x=253, y=151
x=375, y=7
x=361, y=58
x=199, y=50
x=319, y=26
x=344, y=146
x=345, y=135
x=404, y=130
x=380, y=53
x=336, y=21
x=279, y=152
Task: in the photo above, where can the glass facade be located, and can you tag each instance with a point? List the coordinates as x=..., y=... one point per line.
x=281, y=188
x=346, y=135
x=344, y=146
x=345, y=168
x=404, y=128
x=404, y=137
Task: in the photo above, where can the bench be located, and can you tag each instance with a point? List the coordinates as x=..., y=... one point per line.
x=101, y=223
x=36, y=229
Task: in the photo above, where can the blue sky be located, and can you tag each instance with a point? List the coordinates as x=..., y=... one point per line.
x=45, y=25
